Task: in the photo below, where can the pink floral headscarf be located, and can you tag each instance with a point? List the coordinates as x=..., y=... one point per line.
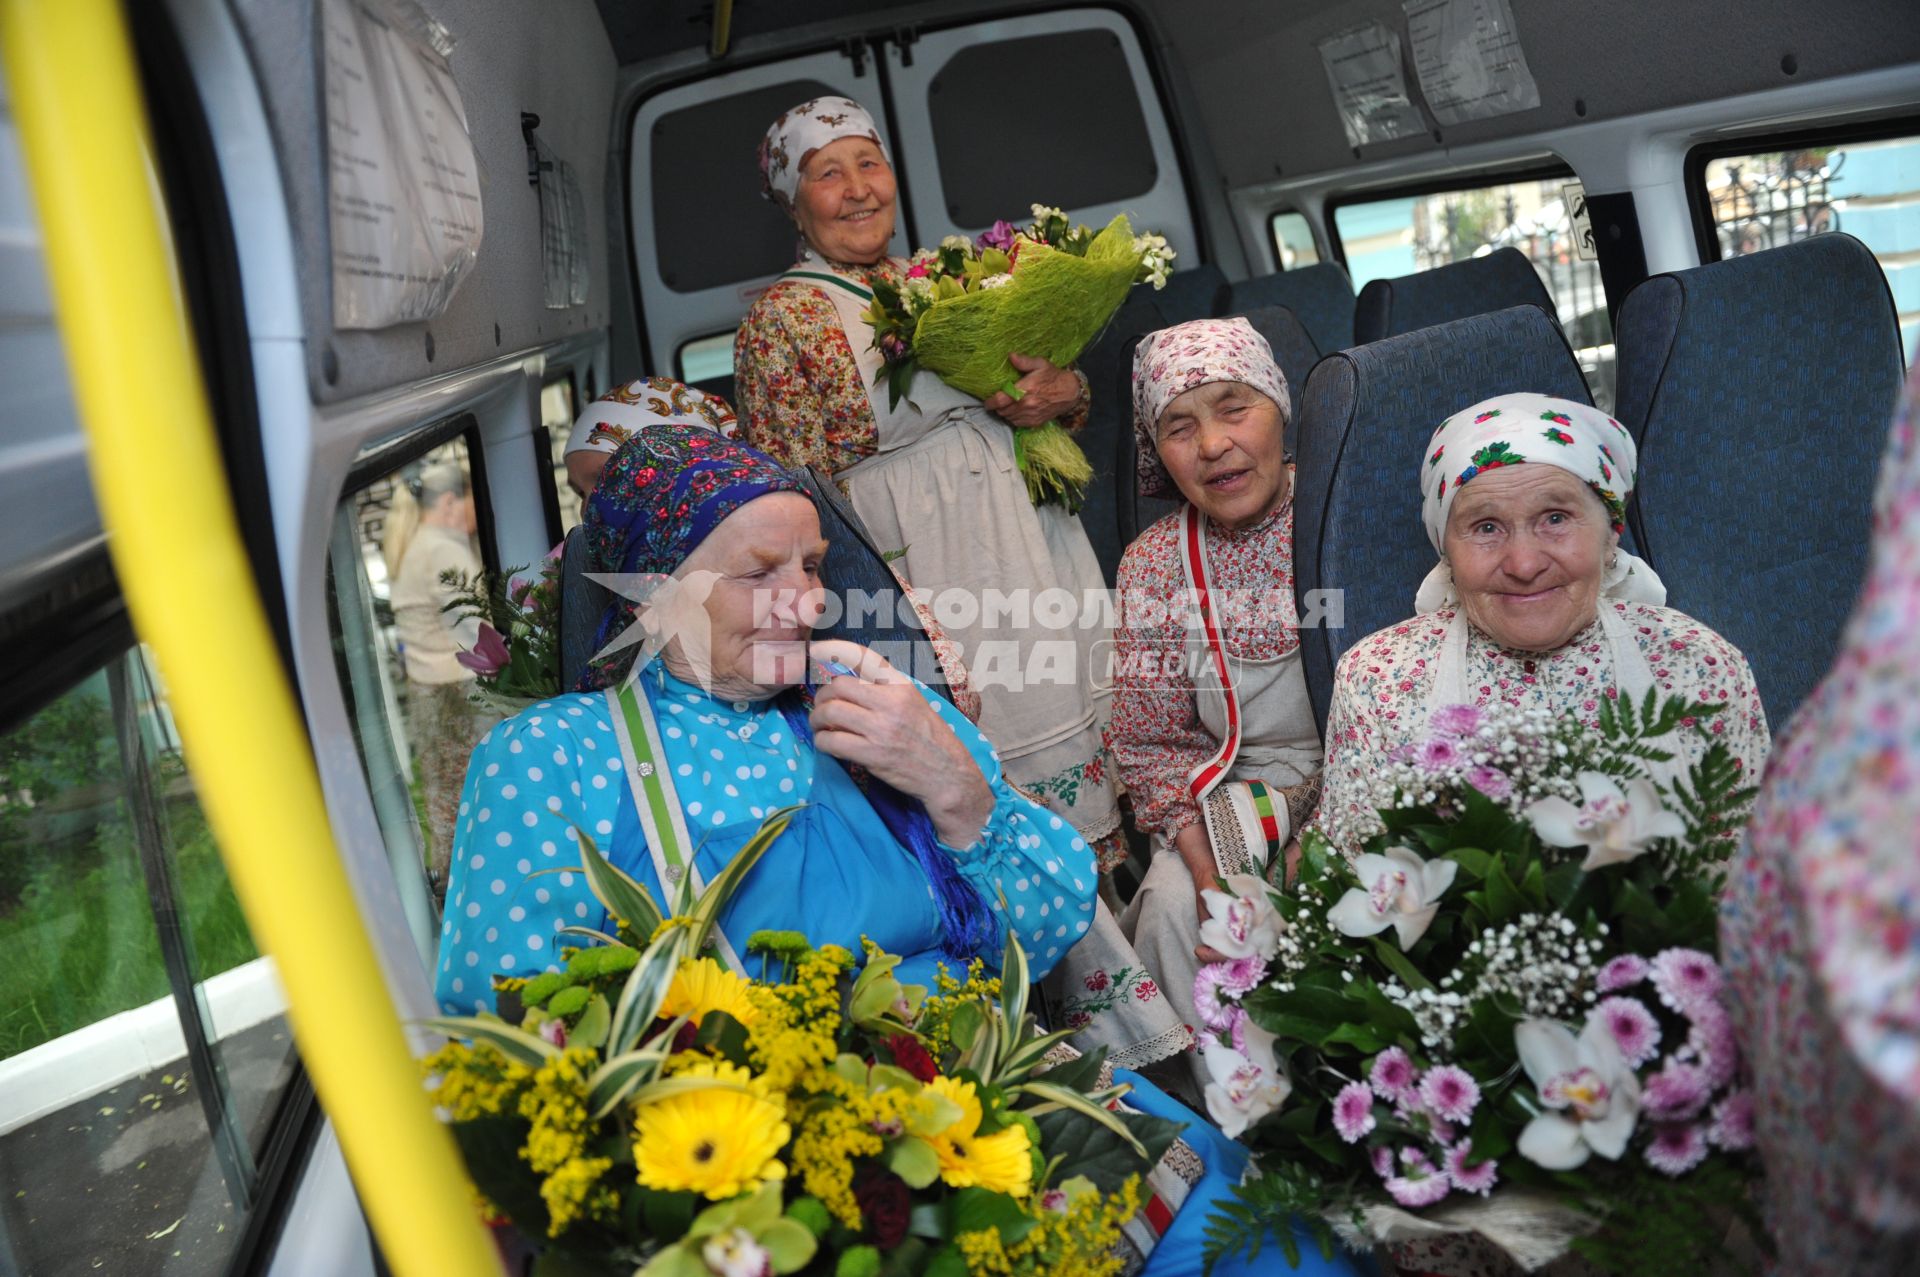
x=802, y=130
x=1173, y=361
x=624, y=411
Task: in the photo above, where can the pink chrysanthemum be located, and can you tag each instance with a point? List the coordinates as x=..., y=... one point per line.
x=1732, y=1127
x=1622, y=972
x=1437, y=755
x=1491, y=781
x=1685, y=978
x=1243, y=976
x=1449, y=1092
x=1677, y=1147
x=1382, y=1159
x=1456, y=720
x=1214, y=1012
x=1353, y=1112
x=1236, y=1031
x=1677, y=1092
x=1633, y=1028
x=1712, y=1044
x=1479, y=1178
x=1421, y=1183
x=1392, y=1074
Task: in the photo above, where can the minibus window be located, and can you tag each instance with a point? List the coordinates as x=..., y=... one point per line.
x=400, y=543
x=1293, y=244
x=557, y=411
x=1384, y=239
x=141, y=1063
x=1869, y=189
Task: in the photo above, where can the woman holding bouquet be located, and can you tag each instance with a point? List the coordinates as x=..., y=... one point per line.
x=1201, y=710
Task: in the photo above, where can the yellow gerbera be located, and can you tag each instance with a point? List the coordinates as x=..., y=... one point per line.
x=717, y=1142
x=703, y=985
x=1001, y=1162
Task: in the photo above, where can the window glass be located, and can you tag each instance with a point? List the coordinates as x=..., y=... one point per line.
x=707, y=359
x=401, y=545
x=1385, y=239
x=1083, y=138
x=1293, y=241
x=117, y=1140
x=1870, y=190
x=557, y=412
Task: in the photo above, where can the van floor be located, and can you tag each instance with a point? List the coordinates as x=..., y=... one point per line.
x=125, y=1182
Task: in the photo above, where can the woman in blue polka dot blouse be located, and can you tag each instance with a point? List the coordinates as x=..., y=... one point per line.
x=908, y=834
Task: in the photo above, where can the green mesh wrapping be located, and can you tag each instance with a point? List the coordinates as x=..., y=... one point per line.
x=1055, y=305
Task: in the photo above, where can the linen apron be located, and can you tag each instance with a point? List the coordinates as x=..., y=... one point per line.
x=1278, y=743
x=944, y=487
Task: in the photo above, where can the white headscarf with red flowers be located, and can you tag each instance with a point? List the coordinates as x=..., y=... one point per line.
x=1168, y=363
x=1540, y=430
x=801, y=131
x=618, y=415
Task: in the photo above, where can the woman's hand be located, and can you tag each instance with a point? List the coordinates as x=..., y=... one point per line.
x=882, y=722
x=1047, y=394
x=1197, y=854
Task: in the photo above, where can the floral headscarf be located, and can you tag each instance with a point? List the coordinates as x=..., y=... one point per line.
x=618, y=415
x=663, y=493
x=1173, y=361
x=801, y=131
x=1514, y=429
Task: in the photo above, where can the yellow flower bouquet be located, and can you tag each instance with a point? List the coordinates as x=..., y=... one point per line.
x=646, y=1110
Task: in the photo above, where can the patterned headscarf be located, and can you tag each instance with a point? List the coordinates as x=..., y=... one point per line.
x=1173, y=361
x=618, y=415
x=801, y=131
x=663, y=493
x=1520, y=428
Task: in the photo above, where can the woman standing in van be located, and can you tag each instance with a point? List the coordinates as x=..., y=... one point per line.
x=933, y=477
x=430, y=531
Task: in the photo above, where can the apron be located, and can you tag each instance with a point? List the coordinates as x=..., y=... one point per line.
x=1259, y=711
x=944, y=488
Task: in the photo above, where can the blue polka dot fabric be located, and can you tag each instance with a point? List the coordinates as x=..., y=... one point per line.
x=557, y=769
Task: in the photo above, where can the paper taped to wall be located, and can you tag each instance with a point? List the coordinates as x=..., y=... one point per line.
x=1467, y=54
x=1369, y=84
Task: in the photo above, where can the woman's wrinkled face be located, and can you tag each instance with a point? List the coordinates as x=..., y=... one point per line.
x=742, y=606
x=1222, y=444
x=1529, y=546
x=845, y=204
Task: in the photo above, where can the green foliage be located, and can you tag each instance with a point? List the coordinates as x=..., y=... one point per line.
x=1288, y=1199
x=1675, y=1227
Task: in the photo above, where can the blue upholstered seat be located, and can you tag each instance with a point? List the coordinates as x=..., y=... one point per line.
x=1365, y=417
x=1477, y=286
x=1197, y=293
x=1759, y=389
x=1319, y=295
x=1293, y=349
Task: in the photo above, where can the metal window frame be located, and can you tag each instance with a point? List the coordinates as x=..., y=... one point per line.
x=1442, y=184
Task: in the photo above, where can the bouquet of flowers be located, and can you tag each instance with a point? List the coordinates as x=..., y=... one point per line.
x=516, y=660
x=1044, y=291
x=644, y=1109
x=1503, y=1016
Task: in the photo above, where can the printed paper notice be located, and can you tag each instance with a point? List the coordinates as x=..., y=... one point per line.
x=1369, y=86
x=403, y=184
x=1468, y=57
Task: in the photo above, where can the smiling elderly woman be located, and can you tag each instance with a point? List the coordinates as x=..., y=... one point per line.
x=1533, y=603
x=909, y=835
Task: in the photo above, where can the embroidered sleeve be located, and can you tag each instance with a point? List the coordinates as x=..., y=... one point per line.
x=1155, y=731
x=1082, y=409
x=796, y=385
x=517, y=816
x=1346, y=813
x=1028, y=856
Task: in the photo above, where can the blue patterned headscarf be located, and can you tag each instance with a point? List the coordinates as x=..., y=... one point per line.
x=663, y=492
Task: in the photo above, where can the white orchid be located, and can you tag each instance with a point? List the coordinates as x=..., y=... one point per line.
x=1592, y=1096
x=1243, y=924
x=1398, y=890
x=1613, y=824
x=1247, y=1085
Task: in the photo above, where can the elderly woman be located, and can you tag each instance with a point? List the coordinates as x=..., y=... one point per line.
x=933, y=477
x=909, y=835
x=1819, y=921
x=1533, y=602
x=1208, y=699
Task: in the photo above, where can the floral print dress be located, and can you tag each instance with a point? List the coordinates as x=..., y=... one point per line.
x=1820, y=927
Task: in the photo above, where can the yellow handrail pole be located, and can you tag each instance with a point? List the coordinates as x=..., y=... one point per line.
x=177, y=549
